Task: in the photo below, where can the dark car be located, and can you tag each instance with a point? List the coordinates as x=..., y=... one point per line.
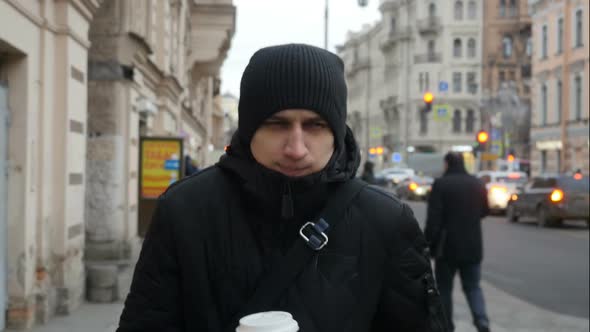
x=415, y=188
x=551, y=199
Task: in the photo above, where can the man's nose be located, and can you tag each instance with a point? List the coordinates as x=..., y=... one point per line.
x=295, y=146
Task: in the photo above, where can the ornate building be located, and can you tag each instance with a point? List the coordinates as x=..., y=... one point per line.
x=417, y=46
x=80, y=82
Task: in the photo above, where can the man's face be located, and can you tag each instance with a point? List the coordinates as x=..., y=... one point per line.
x=294, y=142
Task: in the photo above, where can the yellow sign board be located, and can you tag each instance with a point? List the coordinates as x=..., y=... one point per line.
x=486, y=156
x=160, y=165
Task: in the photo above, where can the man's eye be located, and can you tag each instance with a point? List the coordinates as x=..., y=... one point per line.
x=318, y=125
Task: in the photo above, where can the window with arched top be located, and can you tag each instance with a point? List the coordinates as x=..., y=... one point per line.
x=544, y=105
x=458, y=10
x=432, y=10
x=472, y=10
x=457, y=48
x=470, y=121
x=457, y=121
x=513, y=9
x=431, y=47
x=423, y=122
x=507, y=46
x=471, y=48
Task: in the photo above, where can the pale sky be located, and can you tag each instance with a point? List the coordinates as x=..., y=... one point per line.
x=261, y=23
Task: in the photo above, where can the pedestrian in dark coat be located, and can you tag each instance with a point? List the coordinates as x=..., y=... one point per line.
x=368, y=174
x=457, y=203
x=216, y=235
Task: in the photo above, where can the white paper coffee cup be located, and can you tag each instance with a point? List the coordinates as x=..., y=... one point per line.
x=270, y=321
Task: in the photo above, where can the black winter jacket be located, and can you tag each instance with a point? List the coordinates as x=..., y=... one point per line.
x=457, y=203
x=215, y=234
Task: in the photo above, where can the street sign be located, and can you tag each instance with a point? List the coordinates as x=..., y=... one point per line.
x=495, y=134
x=396, y=157
x=443, y=86
x=441, y=112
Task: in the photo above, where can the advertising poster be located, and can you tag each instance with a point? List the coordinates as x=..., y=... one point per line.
x=160, y=165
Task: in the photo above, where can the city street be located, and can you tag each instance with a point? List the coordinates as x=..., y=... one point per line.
x=547, y=267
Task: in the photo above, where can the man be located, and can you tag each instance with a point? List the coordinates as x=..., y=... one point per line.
x=368, y=174
x=457, y=203
x=216, y=235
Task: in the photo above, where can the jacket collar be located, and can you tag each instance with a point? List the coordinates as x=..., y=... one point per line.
x=277, y=195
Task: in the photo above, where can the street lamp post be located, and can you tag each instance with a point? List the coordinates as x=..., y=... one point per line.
x=361, y=3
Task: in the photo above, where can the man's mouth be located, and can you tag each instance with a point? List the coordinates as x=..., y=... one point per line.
x=293, y=171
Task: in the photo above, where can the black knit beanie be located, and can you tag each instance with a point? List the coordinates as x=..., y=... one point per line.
x=288, y=77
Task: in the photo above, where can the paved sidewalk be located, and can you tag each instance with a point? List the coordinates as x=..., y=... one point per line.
x=507, y=313
x=510, y=314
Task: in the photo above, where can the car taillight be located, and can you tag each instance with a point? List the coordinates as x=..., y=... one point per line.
x=413, y=186
x=556, y=195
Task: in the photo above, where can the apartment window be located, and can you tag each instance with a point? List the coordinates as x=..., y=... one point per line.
x=470, y=121
x=432, y=10
x=544, y=42
x=457, y=78
x=513, y=8
x=421, y=81
x=507, y=46
x=543, y=161
x=501, y=76
x=502, y=8
x=471, y=85
x=560, y=35
x=393, y=24
x=472, y=10
x=423, y=122
x=427, y=81
x=458, y=10
x=529, y=46
x=457, y=121
x=544, y=105
x=471, y=48
x=457, y=48
x=559, y=100
x=430, y=47
x=558, y=157
x=578, y=97
x=579, y=27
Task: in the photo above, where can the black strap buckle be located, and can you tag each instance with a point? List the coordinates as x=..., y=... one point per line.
x=317, y=238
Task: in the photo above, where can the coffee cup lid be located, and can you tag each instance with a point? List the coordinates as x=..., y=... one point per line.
x=270, y=321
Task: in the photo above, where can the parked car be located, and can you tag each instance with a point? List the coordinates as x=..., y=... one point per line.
x=551, y=199
x=391, y=177
x=501, y=186
x=415, y=188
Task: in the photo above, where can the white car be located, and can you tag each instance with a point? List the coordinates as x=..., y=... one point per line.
x=501, y=186
x=393, y=176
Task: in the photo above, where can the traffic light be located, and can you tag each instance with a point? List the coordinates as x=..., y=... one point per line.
x=428, y=99
x=481, y=139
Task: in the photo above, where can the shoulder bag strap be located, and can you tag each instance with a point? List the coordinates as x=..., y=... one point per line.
x=314, y=236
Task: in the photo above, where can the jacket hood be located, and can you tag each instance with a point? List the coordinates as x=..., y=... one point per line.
x=281, y=196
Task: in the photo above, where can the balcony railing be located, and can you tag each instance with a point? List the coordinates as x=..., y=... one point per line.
x=430, y=24
x=427, y=58
x=394, y=36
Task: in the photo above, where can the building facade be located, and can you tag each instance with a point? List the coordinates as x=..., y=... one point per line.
x=506, y=74
x=559, y=133
x=80, y=82
x=418, y=46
